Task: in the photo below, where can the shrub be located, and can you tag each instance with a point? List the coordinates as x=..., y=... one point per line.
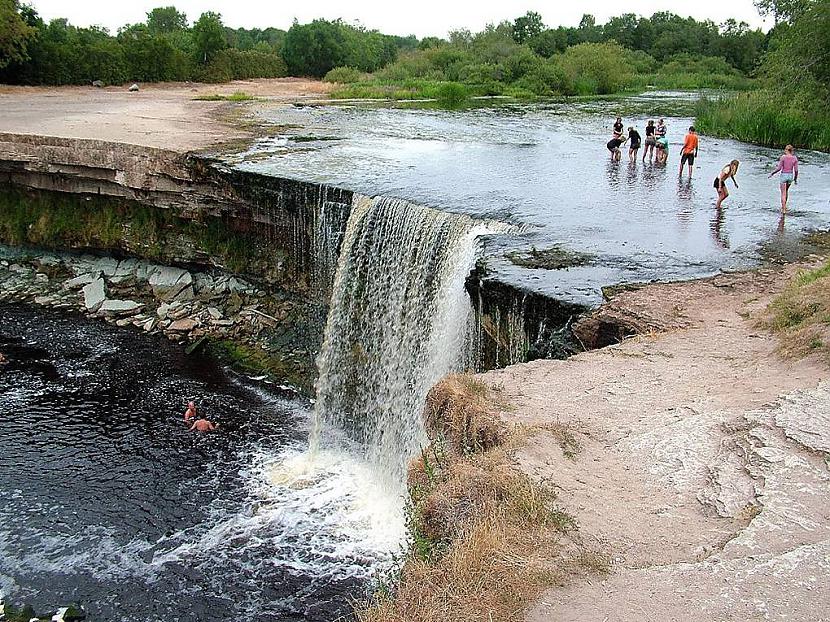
x=451, y=93
x=343, y=75
x=595, y=68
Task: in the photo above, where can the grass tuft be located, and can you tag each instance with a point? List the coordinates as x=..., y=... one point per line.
x=483, y=533
x=800, y=315
x=236, y=96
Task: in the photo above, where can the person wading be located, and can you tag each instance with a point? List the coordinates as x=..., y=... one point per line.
x=788, y=166
x=203, y=425
x=689, y=151
x=720, y=181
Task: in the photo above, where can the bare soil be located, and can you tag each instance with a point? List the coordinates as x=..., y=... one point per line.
x=702, y=474
x=164, y=115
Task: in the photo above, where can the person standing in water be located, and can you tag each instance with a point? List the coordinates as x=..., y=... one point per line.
x=634, y=146
x=689, y=151
x=202, y=425
x=613, y=146
x=191, y=412
x=720, y=181
x=618, y=127
x=662, y=129
x=788, y=166
x=649, y=148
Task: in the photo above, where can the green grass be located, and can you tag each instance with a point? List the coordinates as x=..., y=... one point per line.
x=764, y=118
x=58, y=220
x=236, y=96
x=451, y=93
x=800, y=315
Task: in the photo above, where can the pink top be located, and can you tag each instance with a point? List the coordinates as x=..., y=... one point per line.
x=787, y=164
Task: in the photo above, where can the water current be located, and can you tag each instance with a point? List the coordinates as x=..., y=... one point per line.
x=106, y=498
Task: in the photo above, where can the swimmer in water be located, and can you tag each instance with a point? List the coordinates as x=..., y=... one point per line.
x=191, y=412
x=203, y=425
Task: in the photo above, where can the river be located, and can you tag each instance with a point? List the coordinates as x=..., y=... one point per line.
x=106, y=498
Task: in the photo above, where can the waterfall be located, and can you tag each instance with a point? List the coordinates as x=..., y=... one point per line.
x=399, y=320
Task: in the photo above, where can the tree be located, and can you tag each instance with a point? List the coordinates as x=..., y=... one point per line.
x=166, y=19
x=208, y=36
x=528, y=26
x=15, y=34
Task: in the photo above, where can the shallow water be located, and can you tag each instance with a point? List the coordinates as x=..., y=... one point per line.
x=546, y=166
x=105, y=497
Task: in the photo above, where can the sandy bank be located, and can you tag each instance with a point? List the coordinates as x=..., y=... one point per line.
x=703, y=473
x=159, y=115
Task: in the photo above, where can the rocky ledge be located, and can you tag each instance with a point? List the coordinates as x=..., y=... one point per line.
x=185, y=306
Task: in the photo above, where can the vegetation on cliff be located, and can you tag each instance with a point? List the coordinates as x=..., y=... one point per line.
x=794, y=105
x=476, y=522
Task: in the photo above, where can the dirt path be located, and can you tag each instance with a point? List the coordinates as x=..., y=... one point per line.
x=159, y=115
x=703, y=472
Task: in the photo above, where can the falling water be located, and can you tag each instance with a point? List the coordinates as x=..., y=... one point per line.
x=399, y=320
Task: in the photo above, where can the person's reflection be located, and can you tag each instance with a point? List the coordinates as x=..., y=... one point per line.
x=612, y=171
x=718, y=234
x=685, y=194
x=781, y=223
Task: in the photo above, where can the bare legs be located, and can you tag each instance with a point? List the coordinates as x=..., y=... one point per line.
x=722, y=194
x=785, y=195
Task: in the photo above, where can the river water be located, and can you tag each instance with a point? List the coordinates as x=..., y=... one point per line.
x=545, y=166
x=106, y=498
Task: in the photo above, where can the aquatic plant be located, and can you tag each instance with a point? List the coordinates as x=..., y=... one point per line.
x=764, y=118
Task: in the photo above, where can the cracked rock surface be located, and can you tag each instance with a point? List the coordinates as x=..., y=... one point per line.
x=703, y=470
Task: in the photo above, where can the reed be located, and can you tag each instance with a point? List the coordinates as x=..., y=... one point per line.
x=764, y=118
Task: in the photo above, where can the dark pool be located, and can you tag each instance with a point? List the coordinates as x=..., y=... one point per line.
x=105, y=498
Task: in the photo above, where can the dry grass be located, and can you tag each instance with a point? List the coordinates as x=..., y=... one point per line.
x=483, y=533
x=801, y=314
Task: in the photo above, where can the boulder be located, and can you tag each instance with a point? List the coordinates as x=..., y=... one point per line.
x=184, y=325
x=94, y=295
x=120, y=307
x=133, y=88
x=98, y=84
x=81, y=280
x=168, y=283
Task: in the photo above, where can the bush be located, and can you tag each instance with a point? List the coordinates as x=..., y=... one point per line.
x=232, y=64
x=343, y=75
x=595, y=68
x=452, y=93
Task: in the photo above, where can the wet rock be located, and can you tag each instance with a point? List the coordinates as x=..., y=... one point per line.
x=120, y=307
x=94, y=295
x=170, y=283
x=183, y=326
x=81, y=280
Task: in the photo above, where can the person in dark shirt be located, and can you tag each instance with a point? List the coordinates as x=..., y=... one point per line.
x=650, y=141
x=618, y=128
x=634, y=144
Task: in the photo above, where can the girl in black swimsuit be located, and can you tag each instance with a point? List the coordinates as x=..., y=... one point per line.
x=720, y=181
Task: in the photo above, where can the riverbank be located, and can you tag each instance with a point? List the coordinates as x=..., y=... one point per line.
x=702, y=474
x=165, y=115
x=688, y=463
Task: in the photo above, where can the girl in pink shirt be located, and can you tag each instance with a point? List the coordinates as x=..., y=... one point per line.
x=788, y=166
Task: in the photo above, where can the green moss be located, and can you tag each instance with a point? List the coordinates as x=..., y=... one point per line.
x=253, y=360
x=236, y=96
x=58, y=220
x=553, y=258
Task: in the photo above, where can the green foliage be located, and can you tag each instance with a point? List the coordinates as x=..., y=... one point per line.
x=208, y=36
x=165, y=20
x=595, y=68
x=15, y=33
x=765, y=118
x=236, y=96
x=315, y=49
x=343, y=75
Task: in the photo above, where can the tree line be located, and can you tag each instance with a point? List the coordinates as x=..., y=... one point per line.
x=167, y=47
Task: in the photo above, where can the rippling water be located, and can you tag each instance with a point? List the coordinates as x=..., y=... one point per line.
x=545, y=165
x=107, y=499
